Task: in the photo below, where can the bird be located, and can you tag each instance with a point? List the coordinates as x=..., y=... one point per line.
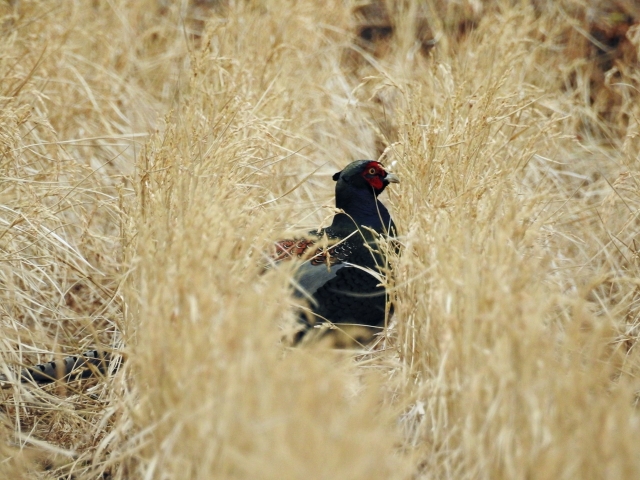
x=343, y=264
x=339, y=277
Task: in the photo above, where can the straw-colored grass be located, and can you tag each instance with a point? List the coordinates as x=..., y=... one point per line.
x=152, y=151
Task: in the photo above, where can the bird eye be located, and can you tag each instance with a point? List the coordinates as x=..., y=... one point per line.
x=372, y=171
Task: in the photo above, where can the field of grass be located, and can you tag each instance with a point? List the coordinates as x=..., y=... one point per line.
x=152, y=152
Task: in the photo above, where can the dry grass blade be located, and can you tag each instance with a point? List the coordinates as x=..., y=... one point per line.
x=512, y=351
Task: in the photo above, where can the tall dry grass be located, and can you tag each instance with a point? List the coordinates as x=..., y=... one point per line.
x=150, y=158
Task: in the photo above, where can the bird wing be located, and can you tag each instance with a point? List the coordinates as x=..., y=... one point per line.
x=294, y=248
x=323, y=260
x=326, y=249
x=310, y=277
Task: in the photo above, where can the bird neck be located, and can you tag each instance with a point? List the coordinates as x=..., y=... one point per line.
x=361, y=209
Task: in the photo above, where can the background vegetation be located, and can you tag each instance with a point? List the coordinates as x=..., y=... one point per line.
x=152, y=151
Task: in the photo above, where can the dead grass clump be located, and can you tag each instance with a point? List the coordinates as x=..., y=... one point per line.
x=149, y=162
x=598, y=50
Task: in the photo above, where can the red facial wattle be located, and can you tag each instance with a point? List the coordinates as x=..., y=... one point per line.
x=376, y=182
x=374, y=175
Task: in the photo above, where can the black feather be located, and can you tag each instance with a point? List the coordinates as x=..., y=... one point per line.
x=340, y=275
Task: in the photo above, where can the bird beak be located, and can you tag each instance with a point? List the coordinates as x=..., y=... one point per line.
x=391, y=178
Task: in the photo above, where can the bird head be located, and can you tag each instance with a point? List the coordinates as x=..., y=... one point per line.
x=366, y=174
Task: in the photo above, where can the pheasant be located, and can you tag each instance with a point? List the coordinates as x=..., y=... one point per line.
x=340, y=275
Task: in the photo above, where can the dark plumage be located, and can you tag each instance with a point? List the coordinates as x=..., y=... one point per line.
x=334, y=278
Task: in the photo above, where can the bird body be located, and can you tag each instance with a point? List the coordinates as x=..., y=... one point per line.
x=341, y=275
